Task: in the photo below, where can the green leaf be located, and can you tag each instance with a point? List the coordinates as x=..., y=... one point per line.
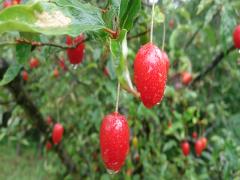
x=22, y=53
x=203, y=5
x=10, y=74
x=159, y=16
x=127, y=17
x=52, y=18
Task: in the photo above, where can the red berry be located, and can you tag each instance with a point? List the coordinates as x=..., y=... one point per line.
x=186, y=78
x=7, y=3
x=171, y=23
x=62, y=65
x=194, y=135
x=198, y=147
x=114, y=141
x=15, y=2
x=48, y=145
x=25, y=75
x=57, y=133
x=204, y=142
x=34, y=63
x=75, y=55
x=106, y=71
x=185, y=148
x=150, y=74
x=55, y=72
x=49, y=120
x=236, y=37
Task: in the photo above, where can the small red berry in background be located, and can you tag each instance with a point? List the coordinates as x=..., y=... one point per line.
x=194, y=135
x=48, y=145
x=25, y=75
x=198, y=147
x=49, y=120
x=55, y=72
x=15, y=2
x=106, y=71
x=171, y=23
x=62, y=65
x=114, y=141
x=57, y=133
x=34, y=63
x=185, y=148
x=75, y=55
x=204, y=142
x=7, y=3
x=236, y=37
x=150, y=74
x=186, y=78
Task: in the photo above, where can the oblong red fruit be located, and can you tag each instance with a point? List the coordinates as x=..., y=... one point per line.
x=236, y=37
x=34, y=63
x=186, y=78
x=198, y=147
x=114, y=141
x=150, y=74
x=204, y=142
x=25, y=75
x=185, y=148
x=57, y=133
x=75, y=55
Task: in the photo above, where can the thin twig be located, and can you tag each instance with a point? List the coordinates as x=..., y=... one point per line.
x=131, y=91
x=138, y=35
x=117, y=99
x=151, y=29
x=35, y=43
x=213, y=64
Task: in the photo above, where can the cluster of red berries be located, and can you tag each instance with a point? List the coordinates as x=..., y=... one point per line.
x=200, y=145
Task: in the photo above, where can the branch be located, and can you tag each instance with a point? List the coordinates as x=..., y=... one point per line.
x=193, y=37
x=138, y=35
x=23, y=99
x=35, y=43
x=213, y=64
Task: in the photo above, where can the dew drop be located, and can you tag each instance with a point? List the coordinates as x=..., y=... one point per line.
x=112, y=171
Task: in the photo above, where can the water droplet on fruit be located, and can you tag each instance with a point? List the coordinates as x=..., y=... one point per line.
x=112, y=171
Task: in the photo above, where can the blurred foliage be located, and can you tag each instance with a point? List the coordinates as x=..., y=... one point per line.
x=79, y=98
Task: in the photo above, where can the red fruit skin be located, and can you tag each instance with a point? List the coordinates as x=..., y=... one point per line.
x=48, y=145
x=114, y=141
x=185, y=148
x=25, y=75
x=62, y=65
x=34, y=63
x=55, y=73
x=49, y=120
x=57, y=133
x=106, y=72
x=171, y=24
x=75, y=55
x=186, y=78
x=204, y=142
x=194, y=135
x=150, y=74
x=236, y=37
x=198, y=147
x=15, y=2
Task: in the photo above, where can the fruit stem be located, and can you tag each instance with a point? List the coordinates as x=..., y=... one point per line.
x=117, y=100
x=164, y=34
x=151, y=29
